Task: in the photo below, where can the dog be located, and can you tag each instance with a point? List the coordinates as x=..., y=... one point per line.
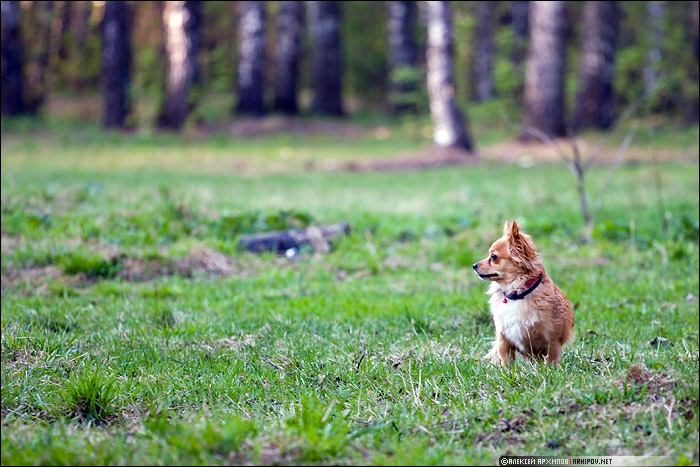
x=531, y=314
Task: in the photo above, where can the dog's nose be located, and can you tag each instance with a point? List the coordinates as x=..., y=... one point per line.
x=475, y=265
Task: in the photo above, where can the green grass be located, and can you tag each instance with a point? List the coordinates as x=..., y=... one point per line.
x=371, y=354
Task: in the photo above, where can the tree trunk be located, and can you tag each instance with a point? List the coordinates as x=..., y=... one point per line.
x=181, y=20
x=695, y=29
x=37, y=69
x=251, y=58
x=450, y=129
x=326, y=57
x=692, y=110
x=78, y=53
x=81, y=23
x=116, y=64
x=484, y=48
x=655, y=12
x=11, y=46
x=594, y=100
x=402, y=54
x=287, y=56
x=519, y=13
x=544, y=74
x=61, y=22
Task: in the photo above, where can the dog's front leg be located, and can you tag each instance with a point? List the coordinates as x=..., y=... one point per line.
x=505, y=350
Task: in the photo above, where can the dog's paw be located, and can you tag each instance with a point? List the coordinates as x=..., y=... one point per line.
x=493, y=356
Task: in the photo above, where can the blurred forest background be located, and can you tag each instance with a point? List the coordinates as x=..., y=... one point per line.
x=174, y=65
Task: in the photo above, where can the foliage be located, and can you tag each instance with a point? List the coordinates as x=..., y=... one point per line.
x=413, y=95
x=365, y=51
x=678, y=70
x=76, y=69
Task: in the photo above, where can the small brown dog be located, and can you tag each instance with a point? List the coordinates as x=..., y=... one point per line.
x=531, y=314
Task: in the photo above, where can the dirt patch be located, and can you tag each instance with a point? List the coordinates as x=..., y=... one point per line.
x=527, y=154
x=26, y=410
x=514, y=424
x=270, y=450
x=142, y=270
x=23, y=358
x=414, y=160
x=206, y=260
x=9, y=243
x=233, y=342
x=509, y=152
x=277, y=452
x=655, y=382
x=38, y=278
x=268, y=126
x=200, y=260
x=508, y=432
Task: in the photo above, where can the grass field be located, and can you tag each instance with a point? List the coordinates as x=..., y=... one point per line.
x=134, y=332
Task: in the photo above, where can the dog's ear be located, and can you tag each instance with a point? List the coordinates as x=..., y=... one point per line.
x=514, y=230
x=521, y=248
x=506, y=229
x=511, y=230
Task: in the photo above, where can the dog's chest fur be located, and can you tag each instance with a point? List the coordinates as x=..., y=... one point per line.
x=513, y=319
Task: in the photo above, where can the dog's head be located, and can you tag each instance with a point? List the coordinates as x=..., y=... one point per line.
x=511, y=256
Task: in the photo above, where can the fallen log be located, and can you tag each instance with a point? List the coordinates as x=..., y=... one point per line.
x=282, y=241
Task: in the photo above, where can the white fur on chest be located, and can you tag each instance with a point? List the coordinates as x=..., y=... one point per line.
x=509, y=318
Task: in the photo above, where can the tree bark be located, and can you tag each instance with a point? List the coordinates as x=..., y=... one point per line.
x=692, y=110
x=181, y=21
x=450, y=129
x=81, y=23
x=287, y=56
x=59, y=25
x=694, y=32
x=11, y=47
x=37, y=69
x=484, y=48
x=650, y=73
x=116, y=64
x=402, y=53
x=326, y=57
x=251, y=58
x=519, y=13
x=594, y=99
x=78, y=51
x=544, y=74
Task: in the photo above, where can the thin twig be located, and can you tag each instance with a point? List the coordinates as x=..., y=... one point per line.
x=357, y=368
x=541, y=136
x=579, y=173
x=657, y=180
x=622, y=118
x=578, y=166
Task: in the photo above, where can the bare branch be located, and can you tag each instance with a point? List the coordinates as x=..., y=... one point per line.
x=622, y=118
x=579, y=173
x=657, y=180
x=542, y=137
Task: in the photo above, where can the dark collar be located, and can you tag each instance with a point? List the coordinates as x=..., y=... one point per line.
x=530, y=286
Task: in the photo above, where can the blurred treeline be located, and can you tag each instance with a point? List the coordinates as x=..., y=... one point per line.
x=62, y=55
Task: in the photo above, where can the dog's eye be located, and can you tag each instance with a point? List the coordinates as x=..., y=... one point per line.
x=494, y=257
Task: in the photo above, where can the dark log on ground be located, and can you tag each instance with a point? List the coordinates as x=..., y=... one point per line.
x=282, y=240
